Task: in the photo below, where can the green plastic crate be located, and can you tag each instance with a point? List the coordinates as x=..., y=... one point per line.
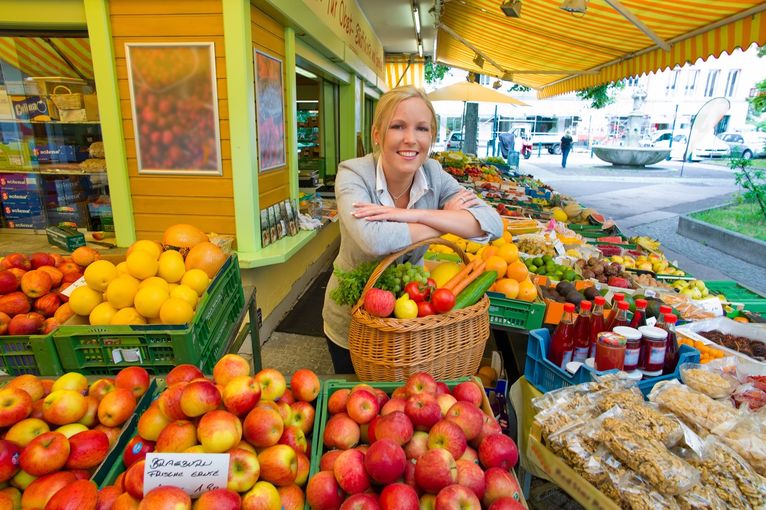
x=91, y=350
x=514, y=313
x=106, y=473
x=35, y=354
x=738, y=293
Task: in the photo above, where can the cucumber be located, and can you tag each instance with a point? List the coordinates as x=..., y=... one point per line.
x=475, y=290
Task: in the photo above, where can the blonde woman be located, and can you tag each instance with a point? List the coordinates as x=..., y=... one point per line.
x=394, y=197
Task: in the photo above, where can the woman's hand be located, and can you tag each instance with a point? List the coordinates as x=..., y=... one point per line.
x=376, y=212
x=463, y=199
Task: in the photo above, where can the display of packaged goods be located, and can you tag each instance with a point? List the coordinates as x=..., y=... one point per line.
x=52, y=153
x=18, y=181
x=745, y=341
x=65, y=238
x=35, y=222
x=15, y=154
x=47, y=85
x=72, y=215
x=34, y=108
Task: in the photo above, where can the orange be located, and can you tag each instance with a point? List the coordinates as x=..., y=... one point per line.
x=508, y=252
x=488, y=251
x=508, y=287
x=517, y=270
x=496, y=264
x=527, y=290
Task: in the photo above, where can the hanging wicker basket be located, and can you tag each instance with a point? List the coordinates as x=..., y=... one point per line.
x=447, y=346
x=68, y=100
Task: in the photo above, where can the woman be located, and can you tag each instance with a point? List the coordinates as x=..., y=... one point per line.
x=566, y=146
x=395, y=197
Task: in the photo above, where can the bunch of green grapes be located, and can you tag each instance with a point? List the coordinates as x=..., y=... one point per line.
x=396, y=277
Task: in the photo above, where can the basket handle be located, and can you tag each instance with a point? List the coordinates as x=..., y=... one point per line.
x=383, y=264
x=68, y=90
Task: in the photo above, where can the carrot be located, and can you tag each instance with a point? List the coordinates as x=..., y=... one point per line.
x=479, y=269
x=461, y=274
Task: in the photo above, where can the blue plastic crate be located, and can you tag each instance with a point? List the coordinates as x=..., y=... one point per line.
x=537, y=193
x=546, y=376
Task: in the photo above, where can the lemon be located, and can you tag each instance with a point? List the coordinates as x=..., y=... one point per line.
x=152, y=247
x=560, y=215
x=197, y=279
x=176, y=311
x=122, y=267
x=99, y=274
x=102, y=314
x=149, y=300
x=156, y=281
x=121, y=292
x=128, y=316
x=444, y=272
x=172, y=286
x=142, y=264
x=171, y=267
x=186, y=293
x=83, y=300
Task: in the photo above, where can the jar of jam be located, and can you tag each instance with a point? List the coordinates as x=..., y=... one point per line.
x=632, y=346
x=653, y=340
x=610, y=351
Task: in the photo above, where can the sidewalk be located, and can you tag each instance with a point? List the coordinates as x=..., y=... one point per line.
x=648, y=202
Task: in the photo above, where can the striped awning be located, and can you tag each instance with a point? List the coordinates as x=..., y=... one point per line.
x=404, y=70
x=48, y=56
x=555, y=51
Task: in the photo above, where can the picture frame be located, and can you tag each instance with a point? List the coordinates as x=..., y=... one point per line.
x=273, y=223
x=174, y=102
x=265, y=228
x=270, y=111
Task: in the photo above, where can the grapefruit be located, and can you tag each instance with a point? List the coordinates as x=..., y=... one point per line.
x=444, y=272
x=206, y=256
x=183, y=236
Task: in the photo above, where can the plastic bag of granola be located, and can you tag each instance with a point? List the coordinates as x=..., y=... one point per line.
x=746, y=435
x=712, y=381
x=636, y=494
x=696, y=409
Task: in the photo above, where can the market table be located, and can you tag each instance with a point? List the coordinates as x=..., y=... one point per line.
x=238, y=334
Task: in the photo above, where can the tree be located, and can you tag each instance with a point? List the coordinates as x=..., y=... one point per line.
x=758, y=103
x=434, y=72
x=600, y=95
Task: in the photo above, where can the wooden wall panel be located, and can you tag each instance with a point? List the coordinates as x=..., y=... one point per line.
x=162, y=200
x=268, y=36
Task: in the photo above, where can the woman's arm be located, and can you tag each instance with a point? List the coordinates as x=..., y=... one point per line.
x=437, y=221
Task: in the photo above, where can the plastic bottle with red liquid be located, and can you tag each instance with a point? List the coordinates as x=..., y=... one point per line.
x=618, y=298
x=597, y=324
x=621, y=318
x=582, y=332
x=639, y=316
x=562, y=341
x=671, y=345
x=664, y=309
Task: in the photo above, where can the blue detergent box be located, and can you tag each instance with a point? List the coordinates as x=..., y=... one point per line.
x=19, y=182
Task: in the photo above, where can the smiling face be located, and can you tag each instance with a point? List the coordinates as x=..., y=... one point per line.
x=406, y=142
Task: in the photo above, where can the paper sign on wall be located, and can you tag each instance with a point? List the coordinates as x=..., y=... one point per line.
x=193, y=473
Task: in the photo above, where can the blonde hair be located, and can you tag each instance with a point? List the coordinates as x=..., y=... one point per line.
x=387, y=105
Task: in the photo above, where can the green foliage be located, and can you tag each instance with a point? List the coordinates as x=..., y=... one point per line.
x=758, y=103
x=752, y=180
x=394, y=278
x=434, y=72
x=600, y=95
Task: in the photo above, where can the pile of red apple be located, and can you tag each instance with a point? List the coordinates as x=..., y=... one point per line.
x=424, y=447
x=57, y=432
x=31, y=301
x=257, y=420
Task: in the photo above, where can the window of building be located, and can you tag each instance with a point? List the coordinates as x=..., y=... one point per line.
x=691, y=84
x=712, y=77
x=672, y=82
x=731, y=82
x=485, y=80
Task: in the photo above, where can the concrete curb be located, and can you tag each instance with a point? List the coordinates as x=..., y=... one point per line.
x=735, y=244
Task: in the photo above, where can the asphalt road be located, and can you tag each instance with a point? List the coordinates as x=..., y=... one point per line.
x=648, y=202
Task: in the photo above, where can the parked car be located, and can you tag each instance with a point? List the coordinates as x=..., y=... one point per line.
x=708, y=147
x=746, y=145
x=454, y=141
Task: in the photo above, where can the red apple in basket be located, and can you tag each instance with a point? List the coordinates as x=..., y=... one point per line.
x=151, y=423
x=472, y=476
x=107, y=496
x=45, y=454
x=499, y=483
x=341, y=432
x=9, y=459
x=467, y=416
x=304, y=385
x=169, y=402
x=8, y=282
x=416, y=446
x=273, y=384
x=80, y=494
x=447, y=435
x=14, y=304
x=435, y=470
x=135, y=379
x=136, y=450
x=99, y=388
x=362, y=406
x=40, y=491
x=498, y=450
x=294, y=438
x=183, y=373
x=302, y=416
x=420, y=382
x=506, y=503
x=244, y=470
x=165, y=497
x=219, y=499
x=489, y=426
x=350, y=472
x=199, y=397
x=469, y=391
x=134, y=479
x=36, y=283
x=26, y=324
x=18, y=260
x=327, y=461
x=279, y=464
x=423, y=411
x=304, y=465
x=176, y=437
x=263, y=427
x=263, y=496
x=229, y=367
x=398, y=496
x=241, y=394
x=87, y=449
x=30, y=383
x=395, y=426
x=393, y=404
x=379, y=302
x=445, y=401
x=457, y=497
x=385, y=461
x=361, y=501
x=116, y=407
x=324, y=493
x=56, y=276
x=39, y=259
x=26, y=430
x=219, y=431
x=337, y=401
x=15, y=405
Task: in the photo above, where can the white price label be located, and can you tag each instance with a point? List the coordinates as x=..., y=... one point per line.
x=194, y=473
x=80, y=282
x=559, y=247
x=712, y=305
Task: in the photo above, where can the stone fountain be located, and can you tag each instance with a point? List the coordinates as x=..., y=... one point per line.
x=629, y=152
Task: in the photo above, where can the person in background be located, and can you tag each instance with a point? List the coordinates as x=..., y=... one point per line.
x=395, y=197
x=566, y=146
x=507, y=145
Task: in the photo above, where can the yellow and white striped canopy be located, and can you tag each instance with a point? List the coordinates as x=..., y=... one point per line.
x=404, y=70
x=555, y=51
x=54, y=56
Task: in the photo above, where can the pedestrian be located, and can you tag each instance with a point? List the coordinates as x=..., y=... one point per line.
x=566, y=146
x=507, y=145
x=395, y=197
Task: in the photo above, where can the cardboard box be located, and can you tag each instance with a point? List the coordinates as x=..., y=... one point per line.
x=16, y=154
x=78, y=115
x=91, y=106
x=29, y=107
x=47, y=85
x=20, y=196
x=34, y=223
x=6, y=107
x=21, y=210
x=65, y=238
x=53, y=153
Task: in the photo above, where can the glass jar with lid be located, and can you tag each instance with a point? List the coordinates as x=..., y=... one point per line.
x=632, y=346
x=653, y=342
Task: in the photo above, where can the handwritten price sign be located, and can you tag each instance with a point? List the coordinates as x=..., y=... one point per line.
x=195, y=473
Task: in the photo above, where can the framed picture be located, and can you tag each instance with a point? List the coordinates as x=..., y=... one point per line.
x=265, y=228
x=270, y=111
x=175, y=107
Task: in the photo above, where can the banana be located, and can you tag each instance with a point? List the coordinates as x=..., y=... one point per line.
x=646, y=242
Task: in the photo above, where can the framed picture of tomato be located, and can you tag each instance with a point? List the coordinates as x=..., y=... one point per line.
x=175, y=107
x=270, y=111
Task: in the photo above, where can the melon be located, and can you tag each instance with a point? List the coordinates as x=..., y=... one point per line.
x=573, y=209
x=183, y=237
x=207, y=257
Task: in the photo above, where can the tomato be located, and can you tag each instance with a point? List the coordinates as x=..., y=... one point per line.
x=417, y=292
x=425, y=308
x=442, y=300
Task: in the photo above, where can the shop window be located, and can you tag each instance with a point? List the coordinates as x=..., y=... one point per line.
x=731, y=82
x=52, y=161
x=712, y=77
x=670, y=89
x=691, y=84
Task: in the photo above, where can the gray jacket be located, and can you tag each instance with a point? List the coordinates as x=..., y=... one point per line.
x=362, y=241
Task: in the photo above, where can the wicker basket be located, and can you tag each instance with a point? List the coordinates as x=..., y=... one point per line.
x=447, y=345
x=67, y=101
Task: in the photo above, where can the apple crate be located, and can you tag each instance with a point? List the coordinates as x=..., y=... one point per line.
x=514, y=313
x=34, y=354
x=104, y=350
x=332, y=385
